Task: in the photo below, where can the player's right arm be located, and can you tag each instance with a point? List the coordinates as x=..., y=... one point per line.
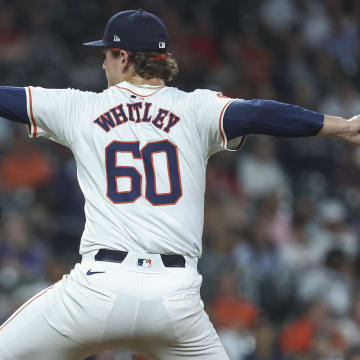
x=340, y=128
x=222, y=122
x=275, y=118
x=53, y=113
x=13, y=104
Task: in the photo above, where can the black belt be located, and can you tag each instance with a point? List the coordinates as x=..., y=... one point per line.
x=119, y=256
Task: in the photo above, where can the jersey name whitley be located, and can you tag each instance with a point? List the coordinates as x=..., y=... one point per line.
x=117, y=115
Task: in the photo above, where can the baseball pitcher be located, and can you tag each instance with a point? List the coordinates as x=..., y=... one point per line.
x=141, y=149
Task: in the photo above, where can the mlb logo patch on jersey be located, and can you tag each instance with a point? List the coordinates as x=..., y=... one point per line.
x=144, y=262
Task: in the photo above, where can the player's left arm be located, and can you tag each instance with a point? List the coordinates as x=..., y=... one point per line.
x=267, y=117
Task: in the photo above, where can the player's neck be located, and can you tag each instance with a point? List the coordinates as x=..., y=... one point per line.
x=138, y=80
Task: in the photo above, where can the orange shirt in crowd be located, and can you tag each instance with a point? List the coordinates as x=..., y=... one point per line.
x=18, y=170
x=229, y=313
x=297, y=337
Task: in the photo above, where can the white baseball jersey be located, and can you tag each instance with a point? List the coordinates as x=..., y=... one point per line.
x=141, y=155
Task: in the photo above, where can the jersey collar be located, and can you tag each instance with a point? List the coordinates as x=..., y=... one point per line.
x=139, y=90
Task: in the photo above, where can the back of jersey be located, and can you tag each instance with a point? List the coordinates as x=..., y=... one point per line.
x=141, y=154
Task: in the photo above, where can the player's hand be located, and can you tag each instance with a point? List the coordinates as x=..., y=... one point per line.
x=343, y=129
x=354, y=132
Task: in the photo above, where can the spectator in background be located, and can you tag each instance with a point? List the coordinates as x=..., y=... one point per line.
x=274, y=218
x=231, y=311
x=24, y=166
x=309, y=245
x=259, y=172
x=22, y=262
x=341, y=40
x=334, y=231
x=328, y=344
x=263, y=255
x=256, y=58
x=330, y=283
x=315, y=23
x=348, y=179
x=234, y=317
x=221, y=177
x=18, y=245
x=286, y=9
x=344, y=100
x=229, y=74
x=324, y=68
x=202, y=43
x=349, y=326
x=306, y=335
x=298, y=252
x=7, y=130
x=14, y=44
x=265, y=342
x=299, y=76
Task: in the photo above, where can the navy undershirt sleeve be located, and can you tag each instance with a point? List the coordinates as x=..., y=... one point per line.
x=267, y=117
x=13, y=104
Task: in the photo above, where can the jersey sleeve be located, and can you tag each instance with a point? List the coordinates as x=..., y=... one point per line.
x=270, y=117
x=56, y=113
x=13, y=104
x=209, y=108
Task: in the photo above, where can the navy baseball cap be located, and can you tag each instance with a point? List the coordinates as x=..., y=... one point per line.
x=134, y=30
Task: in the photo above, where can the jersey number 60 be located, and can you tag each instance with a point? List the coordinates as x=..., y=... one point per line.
x=114, y=171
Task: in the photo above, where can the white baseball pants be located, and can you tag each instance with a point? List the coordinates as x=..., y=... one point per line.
x=155, y=311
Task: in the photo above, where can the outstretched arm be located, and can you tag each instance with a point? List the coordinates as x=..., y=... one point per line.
x=268, y=117
x=13, y=104
x=56, y=114
x=340, y=128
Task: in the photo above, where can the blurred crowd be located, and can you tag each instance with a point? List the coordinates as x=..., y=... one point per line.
x=281, y=255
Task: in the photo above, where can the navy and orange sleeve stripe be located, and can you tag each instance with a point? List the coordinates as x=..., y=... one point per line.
x=13, y=104
x=221, y=124
x=31, y=122
x=267, y=117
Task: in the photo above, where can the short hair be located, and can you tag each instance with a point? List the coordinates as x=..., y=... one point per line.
x=148, y=68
